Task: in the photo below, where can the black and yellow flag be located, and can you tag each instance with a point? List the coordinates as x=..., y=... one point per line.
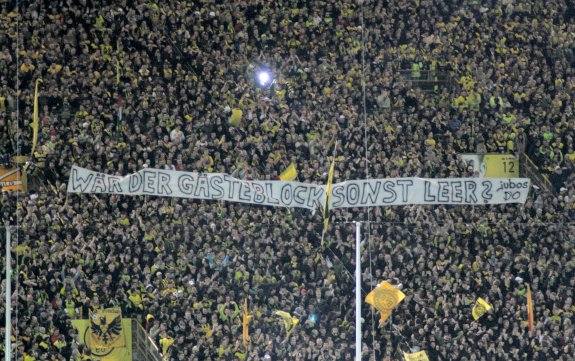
x=290, y=322
x=106, y=331
x=385, y=298
x=481, y=307
x=289, y=174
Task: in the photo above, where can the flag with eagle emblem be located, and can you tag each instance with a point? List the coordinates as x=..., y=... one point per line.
x=106, y=329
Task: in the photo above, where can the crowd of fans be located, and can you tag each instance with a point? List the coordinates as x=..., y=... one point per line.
x=130, y=84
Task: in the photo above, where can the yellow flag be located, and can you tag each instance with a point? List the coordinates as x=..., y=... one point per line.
x=289, y=322
x=207, y=330
x=106, y=331
x=21, y=249
x=529, y=310
x=245, y=322
x=236, y=117
x=35, y=121
x=385, y=298
x=417, y=356
x=166, y=342
x=328, y=196
x=328, y=190
x=106, y=354
x=481, y=307
x=117, y=72
x=289, y=174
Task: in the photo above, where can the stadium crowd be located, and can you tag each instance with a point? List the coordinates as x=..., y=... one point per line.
x=128, y=84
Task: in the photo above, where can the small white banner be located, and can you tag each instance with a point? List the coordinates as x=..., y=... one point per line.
x=402, y=191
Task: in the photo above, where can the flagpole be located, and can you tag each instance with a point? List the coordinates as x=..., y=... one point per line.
x=8, y=327
x=357, y=291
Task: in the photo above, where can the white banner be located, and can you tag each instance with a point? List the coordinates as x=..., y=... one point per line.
x=212, y=186
x=358, y=193
x=402, y=191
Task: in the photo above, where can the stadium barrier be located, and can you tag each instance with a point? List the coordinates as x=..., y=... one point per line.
x=143, y=348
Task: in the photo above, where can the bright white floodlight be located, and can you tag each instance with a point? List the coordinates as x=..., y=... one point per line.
x=264, y=77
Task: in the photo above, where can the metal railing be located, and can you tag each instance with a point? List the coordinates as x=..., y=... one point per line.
x=530, y=170
x=427, y=79
x=143, y=348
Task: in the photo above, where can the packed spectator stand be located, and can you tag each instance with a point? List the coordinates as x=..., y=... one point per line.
x=132, y=84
